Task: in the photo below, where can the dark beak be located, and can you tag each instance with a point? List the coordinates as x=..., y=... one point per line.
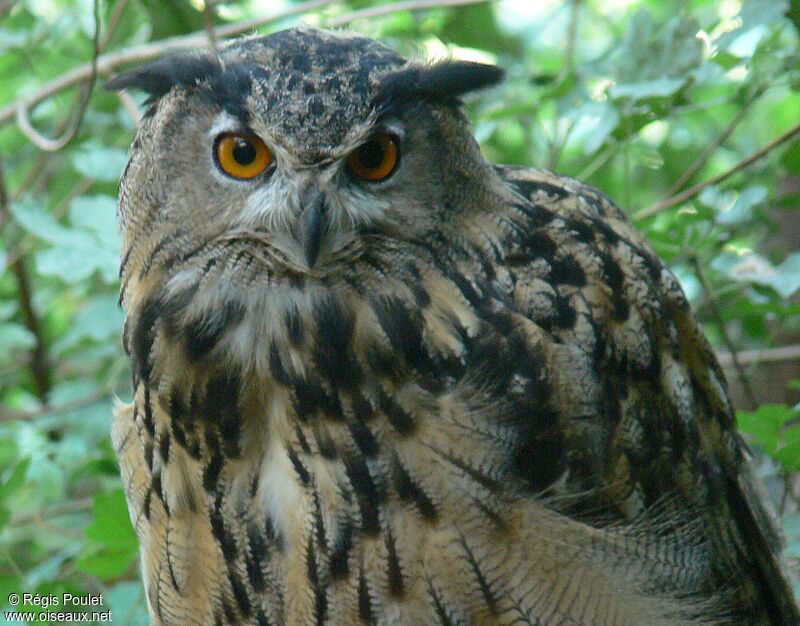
x=314, y=223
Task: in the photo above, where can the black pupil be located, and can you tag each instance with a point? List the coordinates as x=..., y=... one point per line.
x=244, y=153
x=371, y=154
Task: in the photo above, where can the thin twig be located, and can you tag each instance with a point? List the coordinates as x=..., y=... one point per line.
x=695, y=189
x=113, y=22
x=599, y=161
x=572, y=37
x=716, y=314
x=208, y=22
x=559, y=142
x=23, y=112
x=712, y=147
x=626, y=157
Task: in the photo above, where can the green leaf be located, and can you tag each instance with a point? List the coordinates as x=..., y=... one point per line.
x=127, y=603
x=648, y=54
x=7, y=309
x=12, y=39
x=99, y=162
x=75, y=263
x=732, y=207
x=173, y=17
x=753, y=268
x=661, y=87
x=114, y=546
x=38, y=222
x=791, y=157
x=98, y=321
x=112, y=525
x=594, y=123
x=767, y=424
x=106, y=563
x=754, y=13
x=9, y=583
x=15, y=337
x=75, y=253
x=14, y=479
x=11, y=482
x=789, y=452
x=96, y=214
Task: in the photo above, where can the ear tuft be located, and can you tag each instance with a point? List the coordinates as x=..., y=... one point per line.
x=158, y=77
x=452, y=79
x=444, y=80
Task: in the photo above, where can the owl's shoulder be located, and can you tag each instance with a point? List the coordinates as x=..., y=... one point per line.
x=641, y=400
x=567, y=198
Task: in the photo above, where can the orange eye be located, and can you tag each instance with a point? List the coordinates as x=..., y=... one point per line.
x=241, y=156
x=376, y=159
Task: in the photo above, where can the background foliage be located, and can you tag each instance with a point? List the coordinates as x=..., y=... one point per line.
x=684, y=111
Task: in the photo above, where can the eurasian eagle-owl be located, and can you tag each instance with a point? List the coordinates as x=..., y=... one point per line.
x=380, y=380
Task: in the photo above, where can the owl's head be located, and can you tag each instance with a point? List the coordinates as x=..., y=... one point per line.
x=305, y=142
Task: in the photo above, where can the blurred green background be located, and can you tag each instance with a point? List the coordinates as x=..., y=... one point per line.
x=685, y=112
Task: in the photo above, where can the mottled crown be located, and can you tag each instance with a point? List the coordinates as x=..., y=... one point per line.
x=309, y=84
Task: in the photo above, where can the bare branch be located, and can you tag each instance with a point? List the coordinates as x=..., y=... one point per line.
x=44, y=411
x=22, y=116
x=130, y=107
x=57, y=510
x=695, y=189
x=572, y=37
x=39, y=365
x=113, y=22
x=208, y=21
x=107, y=63
x=39, y=140
x=6, y=6
x=768, y=355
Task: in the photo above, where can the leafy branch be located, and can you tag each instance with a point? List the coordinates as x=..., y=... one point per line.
x=712, y=147
x=714, y=180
